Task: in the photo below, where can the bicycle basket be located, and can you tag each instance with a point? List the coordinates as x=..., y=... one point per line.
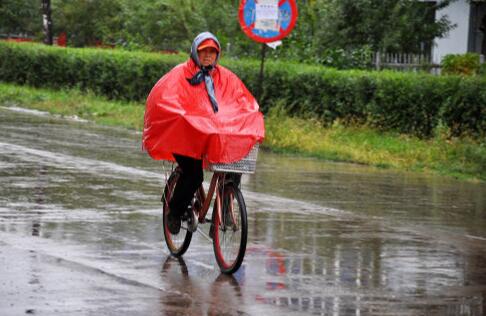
x=245, y=165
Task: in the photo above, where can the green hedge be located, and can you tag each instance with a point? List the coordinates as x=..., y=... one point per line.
x=403, y=102
x=114, y=73
x=396, y=101
x=461, y=64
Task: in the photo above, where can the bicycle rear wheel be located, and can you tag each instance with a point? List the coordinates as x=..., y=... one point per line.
x=177, y=243
x=231, y=230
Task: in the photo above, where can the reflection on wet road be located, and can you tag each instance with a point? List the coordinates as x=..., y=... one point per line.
x=80, y=234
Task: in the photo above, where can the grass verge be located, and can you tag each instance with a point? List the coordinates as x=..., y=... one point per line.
x=461, y=158
x=74, y=102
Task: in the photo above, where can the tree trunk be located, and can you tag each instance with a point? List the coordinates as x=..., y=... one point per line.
x=47, y=21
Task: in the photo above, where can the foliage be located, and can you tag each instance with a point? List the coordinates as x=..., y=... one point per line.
x=403, y=102
x=74, y=102
x=461, y=157
x=161, y=24
x=386, y=25
x=113, y=73
x=86, y=22
x=20, y=17
x=464, y=111
x=332, y=32
x=460, y=64
x=408, y=103
x=359, y=58
x=482, y=69
x=341, y=33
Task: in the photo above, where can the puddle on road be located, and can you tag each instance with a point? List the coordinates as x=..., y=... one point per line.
x=324, y=239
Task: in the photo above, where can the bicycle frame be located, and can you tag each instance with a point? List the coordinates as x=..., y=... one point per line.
x=216, y=180
x=228, y=230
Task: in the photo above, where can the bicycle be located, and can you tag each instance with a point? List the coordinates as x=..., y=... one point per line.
x=229, y=225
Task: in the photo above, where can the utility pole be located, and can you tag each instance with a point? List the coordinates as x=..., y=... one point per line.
x=47, y=21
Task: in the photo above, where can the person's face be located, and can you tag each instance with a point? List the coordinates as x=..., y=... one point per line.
x=207, y=56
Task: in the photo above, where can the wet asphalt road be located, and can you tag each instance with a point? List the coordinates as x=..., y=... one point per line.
x=80, y=234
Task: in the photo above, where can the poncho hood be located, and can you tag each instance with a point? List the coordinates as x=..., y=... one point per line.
x=197, y=41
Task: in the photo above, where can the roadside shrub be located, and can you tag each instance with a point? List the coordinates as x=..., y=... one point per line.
x=402, y=102
x=464, y=111
x=113, y=73
x=482, y=69
x=409, y=104
x=460, y=64
x=359, y=58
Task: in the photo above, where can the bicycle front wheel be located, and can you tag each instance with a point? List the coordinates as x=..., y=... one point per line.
x=231, y=230
x=177, y=243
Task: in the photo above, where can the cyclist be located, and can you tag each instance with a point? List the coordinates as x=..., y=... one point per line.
x=199, y=110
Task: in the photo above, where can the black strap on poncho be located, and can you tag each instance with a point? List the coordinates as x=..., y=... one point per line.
x=204, y=75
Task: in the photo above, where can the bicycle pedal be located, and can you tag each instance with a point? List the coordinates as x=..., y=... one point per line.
x=192, y=221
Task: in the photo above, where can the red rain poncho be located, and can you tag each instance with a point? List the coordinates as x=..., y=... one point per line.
x=179, y=117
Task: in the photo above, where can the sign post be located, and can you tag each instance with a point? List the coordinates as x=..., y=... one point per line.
x=260, y=77
x=267, y=22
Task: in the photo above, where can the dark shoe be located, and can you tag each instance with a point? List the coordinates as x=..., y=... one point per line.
x=174, y=223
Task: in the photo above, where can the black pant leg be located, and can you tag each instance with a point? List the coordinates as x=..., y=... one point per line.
x=188, y=183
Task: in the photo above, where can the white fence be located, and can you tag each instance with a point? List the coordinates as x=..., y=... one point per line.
x=408, y=62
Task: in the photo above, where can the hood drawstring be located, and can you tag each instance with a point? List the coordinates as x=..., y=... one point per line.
x=204, y=75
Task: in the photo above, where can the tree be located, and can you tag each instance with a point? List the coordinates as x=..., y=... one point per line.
x=162, y=24
x=47, y=21
x=324, y=27
x=20, y=17
x=391, y=25
x=87, y=22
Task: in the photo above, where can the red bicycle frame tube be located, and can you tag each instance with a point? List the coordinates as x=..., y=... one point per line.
x=206, y=199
